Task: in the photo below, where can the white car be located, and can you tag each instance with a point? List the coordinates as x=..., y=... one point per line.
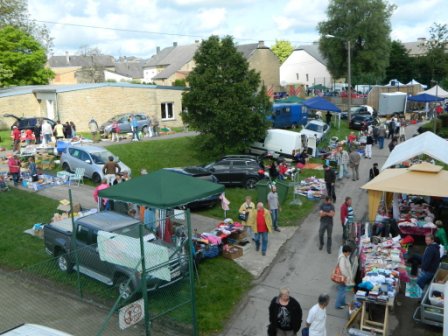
x=315, y=128
x=28, y=329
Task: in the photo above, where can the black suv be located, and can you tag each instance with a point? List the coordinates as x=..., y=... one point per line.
x=233, y=170
x=28, y=122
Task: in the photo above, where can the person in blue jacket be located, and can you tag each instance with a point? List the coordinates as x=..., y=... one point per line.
x=430, y=261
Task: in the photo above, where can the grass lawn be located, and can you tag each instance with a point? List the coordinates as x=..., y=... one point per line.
x=5, y=137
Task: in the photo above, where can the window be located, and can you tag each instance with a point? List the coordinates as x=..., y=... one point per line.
x=83, y=235
x=307, y=79
x=167, y=111
x=297, y=76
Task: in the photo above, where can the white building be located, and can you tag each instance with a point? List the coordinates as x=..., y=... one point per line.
x=307, y=66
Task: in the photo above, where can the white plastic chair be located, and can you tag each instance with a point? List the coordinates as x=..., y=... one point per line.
x=77, y=176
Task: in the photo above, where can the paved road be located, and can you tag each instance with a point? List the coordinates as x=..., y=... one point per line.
x=304, y=269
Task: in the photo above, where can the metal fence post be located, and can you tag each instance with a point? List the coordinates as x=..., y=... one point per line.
x=194, y=320
x=143, y=282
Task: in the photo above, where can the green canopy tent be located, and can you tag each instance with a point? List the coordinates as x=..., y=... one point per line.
x=291, y=99
x=318, y=87
x=162, y=189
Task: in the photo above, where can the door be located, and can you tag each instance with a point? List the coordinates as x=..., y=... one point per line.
x=312, y=146
x=221, y=170
x=83, y=159
x=238, y=172
x=87, y=248
x=125, y=125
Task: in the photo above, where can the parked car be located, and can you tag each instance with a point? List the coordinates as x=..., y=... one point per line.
x=28, y=329
x=315, y=128
x=358, y=120
x=362, y=109
x=91, y=158
x=124, y=123
x=234, y=170
x=98, y=258
x=203, y=174
x=28, y=122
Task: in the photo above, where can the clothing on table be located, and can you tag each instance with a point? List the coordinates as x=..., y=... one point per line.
x=285, y=317
x=442, y=237
x=317, y=318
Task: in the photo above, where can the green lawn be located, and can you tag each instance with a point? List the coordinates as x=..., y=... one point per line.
x=5, y=137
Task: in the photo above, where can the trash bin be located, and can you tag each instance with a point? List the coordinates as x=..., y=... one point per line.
x=262, y=187
x=282, y=191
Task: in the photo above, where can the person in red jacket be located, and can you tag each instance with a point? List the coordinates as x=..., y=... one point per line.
x=346, y=216
x=14, y=169
x=15, y=136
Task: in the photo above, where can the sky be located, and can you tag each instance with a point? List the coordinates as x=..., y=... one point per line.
x=138, y=27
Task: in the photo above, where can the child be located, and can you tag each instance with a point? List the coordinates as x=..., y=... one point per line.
x=3, y=185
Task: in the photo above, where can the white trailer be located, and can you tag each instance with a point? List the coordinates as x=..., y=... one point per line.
x=392, y=102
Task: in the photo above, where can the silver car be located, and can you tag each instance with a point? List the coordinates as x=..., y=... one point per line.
x=124, y=123
x=91, y=158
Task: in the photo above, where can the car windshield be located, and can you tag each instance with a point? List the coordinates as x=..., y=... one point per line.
x=314, y=128
x=102, y=157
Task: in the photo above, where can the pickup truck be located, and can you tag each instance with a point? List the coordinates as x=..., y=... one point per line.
x=108, y=250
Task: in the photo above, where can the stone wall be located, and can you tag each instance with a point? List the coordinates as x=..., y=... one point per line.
x=21, y=106
x=267, y=64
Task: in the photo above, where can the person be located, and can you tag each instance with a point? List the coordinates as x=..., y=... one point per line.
x=326, y=214
x=3, y=185
x=37, y=130
x=317, y=317
x=150, y=128
x=273, y=172
x=441, y=234
x=347, y=216
x=118, y=179
x=73, y=129
x=285, y=314
x=381, y=136
x=93, y=126
x=374, y=171
x=111, y=168
x=261, y=223
x=328, y=117
x=402, y=132
x=68, y=130
x=330, y=180
x=274, y=206
x=14, y=169
x=343, y=159
x=125, y=176
x=282, y=169
x=346, y=270
x=29, y=136
x=58, y=130
x=300, y=157
x=105, y=204
x=430, y=261
x=155, y=126
x=354, y=161
x=115, y=131
x=392, y=144
x=47, y=132
x=15, y=136
x=32, y=168
x=391, y=127
x=246, y=210
x=134, y=127
x=369, y=144
x=351, y=140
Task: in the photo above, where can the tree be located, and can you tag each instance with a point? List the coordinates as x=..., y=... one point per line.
x=15, y=13
x=366, y=24
x=22, y=57
x=225, y=102
x=93, y=71
x=437, y=58
x=400, y=63
x=282, y=49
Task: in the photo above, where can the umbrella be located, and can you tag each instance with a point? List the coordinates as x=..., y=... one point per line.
x=425, y=98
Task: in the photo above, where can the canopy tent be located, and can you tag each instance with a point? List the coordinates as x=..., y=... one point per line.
x=291, y=99
x=318, y=87
x=424, y=98
x=436, y=91
x=426, y=143
x=414, y=82
x=162, y=189
x=395, y=82
x=318, y=103
x=422, y=179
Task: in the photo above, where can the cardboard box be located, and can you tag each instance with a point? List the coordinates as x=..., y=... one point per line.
x=238, y=235
x=441, y=276
x=233, y=252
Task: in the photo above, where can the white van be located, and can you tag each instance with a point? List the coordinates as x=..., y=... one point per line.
x=28, y=329
x=282, y=143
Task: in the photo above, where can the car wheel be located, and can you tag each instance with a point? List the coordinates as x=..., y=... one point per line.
x=124, y=287
x=63, y=263
x=66, y=167
x=145, y=130
x=250, y=183
x=96, y=178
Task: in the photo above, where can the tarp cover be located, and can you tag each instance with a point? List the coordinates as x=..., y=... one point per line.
x=424, y=98
x=436, y=91
x=426, y=143
x=318, y=103
x=162, y=189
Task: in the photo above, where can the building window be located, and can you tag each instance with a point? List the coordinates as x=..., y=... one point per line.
x=307, y=79
x=167, y=111
x=297, y=76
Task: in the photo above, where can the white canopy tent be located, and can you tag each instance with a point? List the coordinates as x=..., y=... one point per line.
x=436, y=91
x=414, y=82
x=426, y=143
x=395, y=82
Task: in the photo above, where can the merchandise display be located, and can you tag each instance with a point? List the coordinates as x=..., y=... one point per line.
x=416, y=217
x=312, y=188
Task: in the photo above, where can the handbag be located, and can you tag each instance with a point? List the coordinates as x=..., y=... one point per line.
x=306, y=331
x=243, y=216
x=337, y=276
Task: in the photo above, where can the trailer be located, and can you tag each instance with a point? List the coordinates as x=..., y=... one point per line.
x=392, y=102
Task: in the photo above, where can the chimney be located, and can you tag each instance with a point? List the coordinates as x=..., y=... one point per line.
x=67, y=58
x=261, y=44
x=174, y=44
x=157, y=50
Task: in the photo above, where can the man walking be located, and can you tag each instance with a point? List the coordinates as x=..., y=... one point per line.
x=354, y=161
x=374, y=171
x=369, y=145
x=347, y=216
x=343, y=159
x=326, y=214
x=381, y=136
x=15, y=136
x=134, y=128
x=274, y=206
x=261, y=225
x=330, y=180
x=317, y=317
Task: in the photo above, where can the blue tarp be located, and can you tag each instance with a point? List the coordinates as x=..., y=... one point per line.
x=318, y=103
x=425, y=98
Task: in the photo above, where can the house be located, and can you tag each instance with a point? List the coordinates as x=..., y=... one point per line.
x=176, y=62
x=82, y=102
x=416, y=48
x=305, y=66
x=126, y=69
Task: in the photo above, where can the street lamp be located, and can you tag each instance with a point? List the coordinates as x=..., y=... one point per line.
x=349, y=72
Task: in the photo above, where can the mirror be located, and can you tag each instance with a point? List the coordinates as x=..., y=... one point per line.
x=88, y=161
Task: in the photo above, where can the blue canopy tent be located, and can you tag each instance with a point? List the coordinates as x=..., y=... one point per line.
x=319, y=103
x=425, y=98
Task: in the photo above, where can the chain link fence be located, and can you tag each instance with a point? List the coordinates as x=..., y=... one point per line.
x=98, y=286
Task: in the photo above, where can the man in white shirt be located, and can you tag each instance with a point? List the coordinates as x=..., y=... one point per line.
x=47, y=132
x=317, y=317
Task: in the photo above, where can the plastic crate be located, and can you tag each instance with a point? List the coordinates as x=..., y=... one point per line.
x=428, y=310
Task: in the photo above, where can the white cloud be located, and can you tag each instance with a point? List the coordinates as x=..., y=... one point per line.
x=211, y=18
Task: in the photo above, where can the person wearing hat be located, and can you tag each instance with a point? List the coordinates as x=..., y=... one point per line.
x=15, y=136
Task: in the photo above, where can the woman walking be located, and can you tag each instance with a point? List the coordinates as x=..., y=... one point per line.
x=346, y=269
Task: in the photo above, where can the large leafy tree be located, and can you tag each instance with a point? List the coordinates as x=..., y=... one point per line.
x=282, y=49
x=366, y=24
x=225, y=102
x=22, y=58
x=400, y=63
x=437, y=58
